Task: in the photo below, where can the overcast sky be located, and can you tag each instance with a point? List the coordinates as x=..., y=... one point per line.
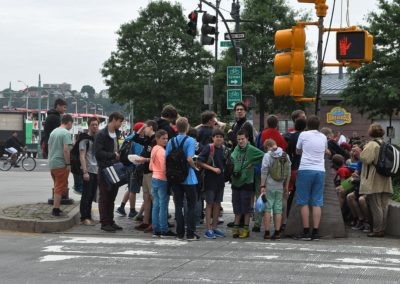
x=68, y=40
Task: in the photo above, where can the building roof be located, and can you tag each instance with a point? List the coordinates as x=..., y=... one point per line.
x=332, y=86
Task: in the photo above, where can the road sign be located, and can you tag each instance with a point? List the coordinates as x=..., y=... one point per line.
x=225, y=43
x=234, y=76
x=233, y=96
x=236, y=36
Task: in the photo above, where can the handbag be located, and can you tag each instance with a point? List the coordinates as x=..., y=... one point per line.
x=116, y=175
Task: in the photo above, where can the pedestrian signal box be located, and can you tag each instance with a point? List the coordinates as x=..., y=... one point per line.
x=354, y=46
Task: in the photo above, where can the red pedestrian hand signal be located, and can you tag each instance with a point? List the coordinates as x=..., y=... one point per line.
x=344, y=46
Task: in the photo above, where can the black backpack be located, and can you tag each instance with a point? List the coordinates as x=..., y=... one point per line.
x=388, y=159
x=124, y=151
x=74, y=153
x=176, y=163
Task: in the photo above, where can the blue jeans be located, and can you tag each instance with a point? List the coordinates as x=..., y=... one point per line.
x=180, y=192
x=160, y=203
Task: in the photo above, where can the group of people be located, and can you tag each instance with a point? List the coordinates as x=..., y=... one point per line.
x=267, y=166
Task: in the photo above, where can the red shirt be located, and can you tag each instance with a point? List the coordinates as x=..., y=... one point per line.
x=273, y=133
x=343, y=172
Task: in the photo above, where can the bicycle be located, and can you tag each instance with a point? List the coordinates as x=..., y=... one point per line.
x=28, y=163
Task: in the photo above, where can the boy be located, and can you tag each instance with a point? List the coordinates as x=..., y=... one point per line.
x=244, y=157
x=274, y=187
x=211, y=159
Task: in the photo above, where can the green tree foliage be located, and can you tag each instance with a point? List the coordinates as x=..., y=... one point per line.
x=374, y=88
x=157, y=63
x=89, y=90
x=259, y=52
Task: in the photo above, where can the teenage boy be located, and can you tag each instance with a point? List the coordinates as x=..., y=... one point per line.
x=273, y=189
x=212, y=160
x=89, y=169
x=188, y=187
x=60, y=144
x=148, y=141
x=106, y=151
x=312, y=145
x=244, y=157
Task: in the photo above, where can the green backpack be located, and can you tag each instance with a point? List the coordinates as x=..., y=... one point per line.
x=279, y=167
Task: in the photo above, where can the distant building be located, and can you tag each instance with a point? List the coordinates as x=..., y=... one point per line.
x=62, y=87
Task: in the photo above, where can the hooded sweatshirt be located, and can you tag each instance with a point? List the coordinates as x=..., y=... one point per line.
x=244, y=159
x=265, y=168
x=53, y=120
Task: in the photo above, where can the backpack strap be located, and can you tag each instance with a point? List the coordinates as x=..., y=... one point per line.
x=212, y=150
x=182, y=142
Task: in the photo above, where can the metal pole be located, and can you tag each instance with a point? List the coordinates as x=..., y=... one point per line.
x=320, y=64
x=39, y=150
x=209, y=93
x=237, y=29
x=217, y=3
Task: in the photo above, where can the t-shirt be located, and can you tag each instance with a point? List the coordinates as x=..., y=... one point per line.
x=189, y=149
x=58, y=138
x=313, y=145
x=113, y=135
x=344, y=172
x=204, y=136
x=91, y=161
x=273, y=133
x=218, y=160
x=157, y=162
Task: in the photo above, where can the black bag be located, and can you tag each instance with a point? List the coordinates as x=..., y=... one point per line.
x=176, y=163
x=388, y=159
x=116, y=175
x=228, y=170
x=124, y=151
x=74, y=153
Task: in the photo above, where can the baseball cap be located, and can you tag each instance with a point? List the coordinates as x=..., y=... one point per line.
x=137, y=126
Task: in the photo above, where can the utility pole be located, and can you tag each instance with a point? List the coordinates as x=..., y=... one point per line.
x=320, y=64
x=235, y=14
x=217, y=3
x=39, y=150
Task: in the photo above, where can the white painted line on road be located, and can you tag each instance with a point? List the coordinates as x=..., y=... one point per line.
x=58, y=249
x=42, y=164
x=266, y=256
x=58, y=257
x=370, y=261
x=94, y=240
x=136, y=252
x=344, y=266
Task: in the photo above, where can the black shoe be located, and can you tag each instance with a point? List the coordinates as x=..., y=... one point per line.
x=56, y=212
x=230, y=224
x=305, y=237
x=121, y=211
x=16, y=166
x=108, y=228
x=170, y=225
x=116, y=227
x=168, y=234
x=359, y=226
x=315, y=237
x=132, y=213
x=276, y=236
x=256, y=229
x=195, y=237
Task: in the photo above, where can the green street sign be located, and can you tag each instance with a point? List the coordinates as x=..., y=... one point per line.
x=225, y=43
x=234, y=76
x=232, y=97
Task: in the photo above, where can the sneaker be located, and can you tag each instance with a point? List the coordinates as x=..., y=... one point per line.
x=171, y=225
x=376, y=234
x=16, y=166
x=56, y=212
x=156, y=234
x=87, y=222
x=138, y=218
x=230, y=224
x=256, y=229
x=209, y=234
x=195, y=237
x=180, y=237
x=141, y=227
x=305, y=237
x=235, y=233
x=168, y=234
x=244, y=234
x=132, y=214
x=276, y=236
x=149, y=229
x=283, y=227
x=108, y=228
x=121, y=211
x=116, y=227
x=367, y=228
x=315, y=237
x=266, y=235
x=359, y=226
x=218, y=233
x=220, y=220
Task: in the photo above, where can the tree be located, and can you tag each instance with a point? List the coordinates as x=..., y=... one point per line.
x=89, y=90
x=259, y=51
x=157, y=63
x=374, y=88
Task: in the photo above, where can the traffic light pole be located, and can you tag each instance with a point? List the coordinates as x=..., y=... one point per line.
x=320, y=65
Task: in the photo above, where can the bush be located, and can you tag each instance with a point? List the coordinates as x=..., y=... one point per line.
x=396, y=189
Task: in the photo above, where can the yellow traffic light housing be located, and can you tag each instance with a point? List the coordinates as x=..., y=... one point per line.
x=291, y=63
x=354, y=46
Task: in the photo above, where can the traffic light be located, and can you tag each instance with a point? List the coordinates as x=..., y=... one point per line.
x=192, y=25
x=206, y=29
x=290, y=63
x=354, y=46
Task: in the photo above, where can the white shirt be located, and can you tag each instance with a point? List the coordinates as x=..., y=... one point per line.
x=313, y=145
x=342, y=139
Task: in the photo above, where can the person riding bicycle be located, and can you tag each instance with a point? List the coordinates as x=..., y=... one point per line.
x=13, y=146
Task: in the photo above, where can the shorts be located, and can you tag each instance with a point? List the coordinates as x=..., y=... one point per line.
x=241, y=199
x=146, y=184
x=214, y=189
x=133, y=183
x=274, y=201
x=60, y=179
x=11, y=150
x=310, y=188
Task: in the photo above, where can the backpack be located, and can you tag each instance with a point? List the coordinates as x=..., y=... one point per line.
x=279, y=167
x=388, y=159
x=176, y=164
x=124, y=151
x=228, y=170
x=74, y=153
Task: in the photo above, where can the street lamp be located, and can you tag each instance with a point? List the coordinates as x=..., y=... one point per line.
x=101, y=108
x=27, y=96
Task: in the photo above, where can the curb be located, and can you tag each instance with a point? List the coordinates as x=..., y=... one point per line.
x=40, y=226
x=393, y=217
